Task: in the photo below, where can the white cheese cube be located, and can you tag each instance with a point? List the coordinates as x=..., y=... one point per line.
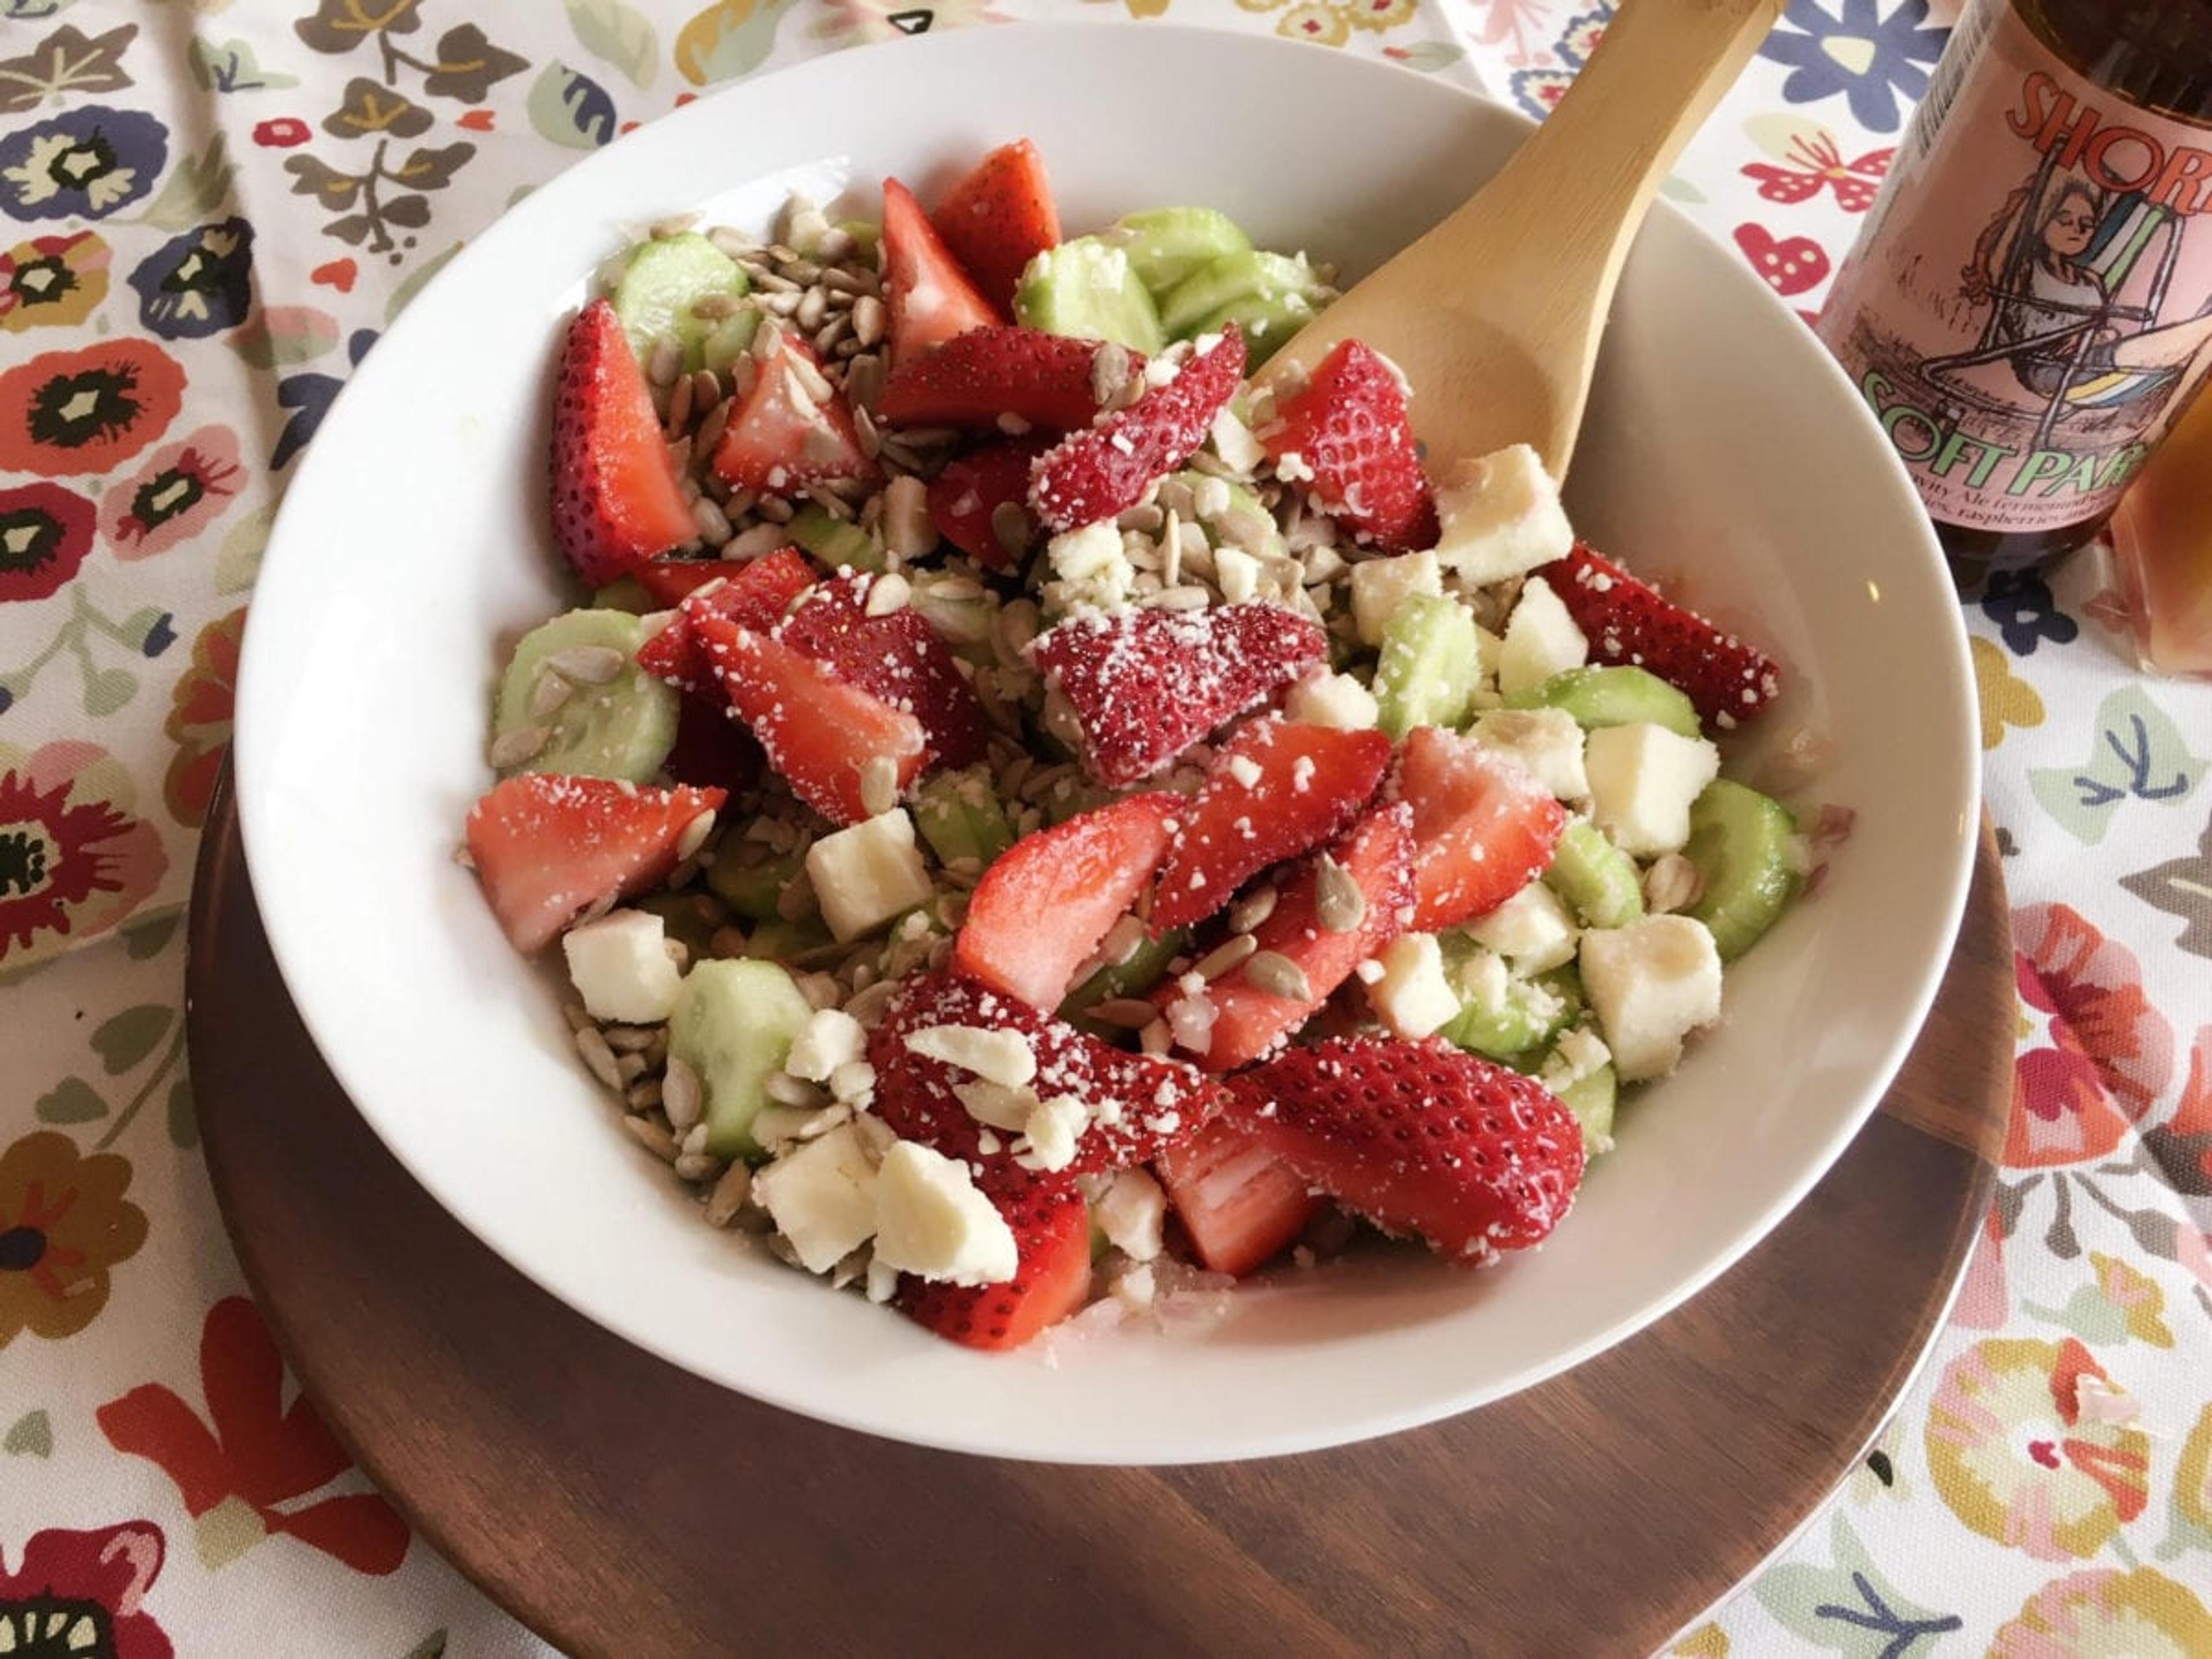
x=1233, y=442
x=1541, y=639
x=1337, y=700
x=1090, y=567
x=1546, y=741
x=1052, y=1132
x=620, y=966
x=1481, y=979
x=1413, y=997
x=823, y=1196
x=1652, y=983
x=1501, y=517
x=1237, y=574
x=865, y=875
x=1579, y=1054
x=1642, y=781
x=1379, y=585
x=1130, y=1214
x=932, y=1221
x=1532, y=928
x=830, y=1038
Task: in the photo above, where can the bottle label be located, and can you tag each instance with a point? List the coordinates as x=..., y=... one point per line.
x=2032, y=299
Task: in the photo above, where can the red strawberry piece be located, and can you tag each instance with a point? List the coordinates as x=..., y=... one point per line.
x=711, y=748
x=897, y=658
x=1631, y=621
x=1138, y=1104
x=974, y=377
x=1106, y=468
x=1144, y=685
x=1349, y=427
x=1482, y=827
x=821, y=734
x=1276, y=789
x=1052, y=1235
x=547, y=847
x=1420, y=1138
x=669, y=581
x=1239, y=1202
x=792, y=430
x=1045, y=902
x=616, y=501
x=966, y=499
x=999, y=217
x=754, y=594
x=1252, y=1014
x=930, y=297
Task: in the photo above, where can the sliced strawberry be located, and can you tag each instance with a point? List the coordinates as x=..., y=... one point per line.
x=974, y=377
x=666, y=581
x=1047, y=901
x=1349, y=427
x=754, y=594
x=1629, y=622
x=1420, y=1138
x=616, y=500
x=1106, y=468
x=1482, y=827
x=930, y=297
x=1052, y=1233
x=821, y=734
x=547, y=847
x=1276, y=789
x=713, y=749
x=999, y=217
x=1241, y=1204
x=967, y=500
x=1137, y=1104
x=1252, y=1015
x=792, y=430
x=1144, y=685
x=896, y=657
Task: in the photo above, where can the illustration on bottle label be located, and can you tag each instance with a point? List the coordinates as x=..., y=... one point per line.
x=2036, y=295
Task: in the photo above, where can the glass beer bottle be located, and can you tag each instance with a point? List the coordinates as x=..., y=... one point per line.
x=2030, y=304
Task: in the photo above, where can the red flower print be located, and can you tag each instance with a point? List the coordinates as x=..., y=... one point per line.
x=182, y=489
x=199, y=719
x=1983, y=1303
x=281, y=133
x=82, y=1592
x=73, y=860
x=2111, y=1052
x=242, y=1481
x=2182, y=1144
x=82, y=411
x=44, y=533
x=1789, y=265
x=1815, y=163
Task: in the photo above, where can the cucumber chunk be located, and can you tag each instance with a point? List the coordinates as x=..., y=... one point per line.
x=1231, y=515
x=1616, y=695
x=1165, y=244
x=734, y=1024
x=1592, y=1100
x=690, y=917
x=752, y=889
x=1431, y=664
x=1597, y=879
x=1270, y=296
x=838, y=543
x=1519, y=1029
x=729, y=340
x=654, y=294
x=626, y=593
x=1088, y=289
x=1743, y=845
x=777, y=939
x=1146, y=966
x=958, y=814
x=621, y=727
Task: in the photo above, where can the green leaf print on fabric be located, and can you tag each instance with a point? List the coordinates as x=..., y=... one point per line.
x=125, y=1039
x=279, y=337
x=569, y=108
x=184, y=1119
x=231, y=66
x=71, y=1101
x=618, y=34
x=729, y=39
x=1427, y=55
x=2140, y=754
x=197, y=189
x=31, y=1434
x=1849, y=1607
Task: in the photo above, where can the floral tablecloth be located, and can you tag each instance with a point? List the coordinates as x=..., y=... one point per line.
x=208, y=212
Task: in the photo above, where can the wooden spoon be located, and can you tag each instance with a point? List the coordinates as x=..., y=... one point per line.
x=1495, y=314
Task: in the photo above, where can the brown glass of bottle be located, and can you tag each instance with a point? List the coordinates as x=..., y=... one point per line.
x=2030, y=304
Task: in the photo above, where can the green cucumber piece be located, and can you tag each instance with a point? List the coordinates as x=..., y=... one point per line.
x=838, y=543
x=1592, y=1100
x=1088, y=289
x=729, y=340
x=959, y=815
x=621, y=728
x=754, y=888
x=1743, y=845
x=654, y=294
x=1597, y=879
x=779, y=939
x=1165, y=244
x=865, y=232
x=626, y=593
x=734, y=1024
x=1231, y=515
x=1520, y=1029
x=1431, y=664
x=1146, y=967
x=1620, y=695
x=1277, y=293
x=689, y=916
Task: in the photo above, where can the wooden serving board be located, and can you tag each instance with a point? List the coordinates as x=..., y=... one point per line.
x=618, y=1506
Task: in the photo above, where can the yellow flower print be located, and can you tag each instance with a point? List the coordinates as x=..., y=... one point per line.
x=2136, y=1296
x=52, y=280
x=1324, y=23
x=2192, y=1478
x=1330, y=22
x=2006, y=699
x=1708, y=1641
x=1376, y=15
x=65, y=1224
x=2108, y=1614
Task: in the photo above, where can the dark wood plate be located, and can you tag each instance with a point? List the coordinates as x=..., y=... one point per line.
x=618, y=1506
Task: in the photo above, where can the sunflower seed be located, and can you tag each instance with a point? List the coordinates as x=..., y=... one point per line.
x=665, y=362
x=643, y=1094
x=796, y=901
x=879, y=785
x=869, y=317
x=744, y=373
x=714, y=523
x=830, y=501
x=518, y=745
x=697, y=1166
x=680, y=398
x=695, y=835
x=628, y=1039
x=833, y=244
x=547, y=696
x=753, y=543
x=887, y=593
x=833, y=334
x=774, y=509
x=814, y=309
x=818, y=389
x=1155, y=1039
x=1672, y=883
x=768, y=340
x=729, y=1195
x=578, y=1017
x=849, y=281
x=1130, y=1013
x=1214, y=964
x=908, y=532
x=1179, y=599
x=588, y=664
x=1252, y=910
x=732, y=243
x=1011, y=527
x=681, y=1096
x=674, y=225
x=771, y=284
x=714, y=308
x=1338, y=901
x=1277, y=976
x=651, y=1136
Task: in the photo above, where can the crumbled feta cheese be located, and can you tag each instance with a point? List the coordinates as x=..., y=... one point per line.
x=1337, y=700
x=1532, y=928
x=995, y=1105
x=932, y=1221
x=1541, y=639
x=1651, y=983
x=1245, y=770
x=1643, y=779
x=1379, y=585
x=1130, y=1214
x=1088, y=567
x=1481, y=978
x=830, y=1038
x=865, y=875
x=1053, y=1130
x=1578, y=1054
x=822, y=1197
x=621, y=967
x=1413, y=997
x=1546, y=741
x=1136, y=1287
x=1233, y=442
x=997, y=1056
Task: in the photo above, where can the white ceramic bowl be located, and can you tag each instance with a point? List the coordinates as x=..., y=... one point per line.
x=1722, y=445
